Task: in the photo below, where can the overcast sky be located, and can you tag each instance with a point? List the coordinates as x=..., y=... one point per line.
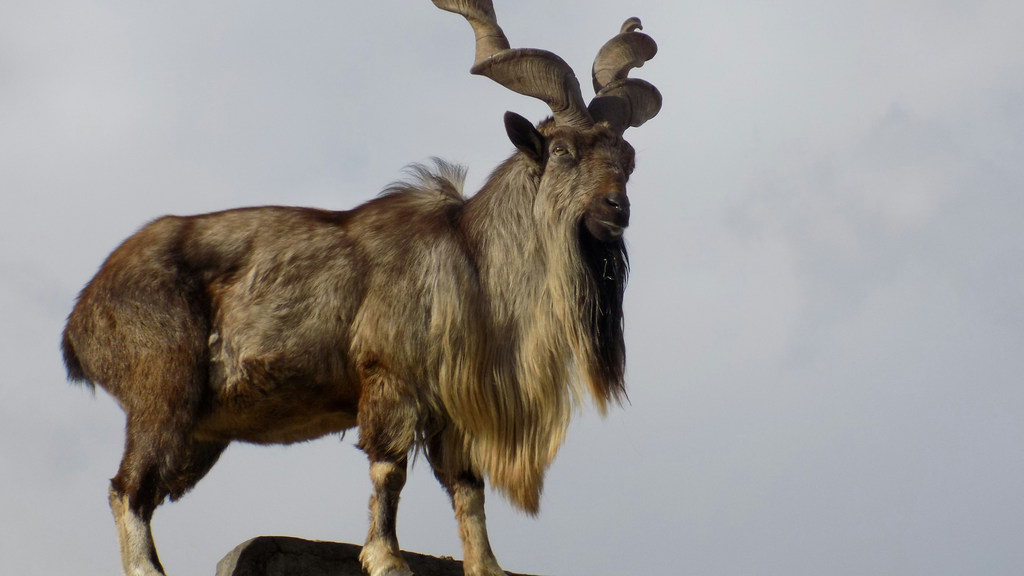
x=824, y=319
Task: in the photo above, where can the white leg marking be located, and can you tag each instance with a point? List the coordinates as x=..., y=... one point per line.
x=379, y=560
x=380, y=555
x=134, y=539
x=478, y=558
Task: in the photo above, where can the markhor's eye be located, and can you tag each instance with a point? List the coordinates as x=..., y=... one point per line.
x=559, y=150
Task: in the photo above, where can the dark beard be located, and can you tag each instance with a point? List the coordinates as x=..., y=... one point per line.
x=607, y=266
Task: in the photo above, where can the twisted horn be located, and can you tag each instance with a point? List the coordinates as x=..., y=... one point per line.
x=621, y=101
x=622, y=53
x=528, y=71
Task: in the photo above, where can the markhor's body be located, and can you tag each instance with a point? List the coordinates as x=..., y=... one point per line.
x=465, y=327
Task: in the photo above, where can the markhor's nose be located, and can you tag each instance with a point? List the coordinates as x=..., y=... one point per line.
x=618, y=201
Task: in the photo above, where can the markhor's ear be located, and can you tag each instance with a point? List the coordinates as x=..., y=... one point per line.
x=524, y=136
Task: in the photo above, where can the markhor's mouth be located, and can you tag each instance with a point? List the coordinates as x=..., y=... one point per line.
x=614, y=230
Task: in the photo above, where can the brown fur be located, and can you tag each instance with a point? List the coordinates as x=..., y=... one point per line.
x=266, y=324
x=467, y=327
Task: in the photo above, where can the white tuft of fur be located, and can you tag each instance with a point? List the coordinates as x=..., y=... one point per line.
x=378, y=560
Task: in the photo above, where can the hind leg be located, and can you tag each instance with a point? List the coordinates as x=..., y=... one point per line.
x=135, y=492
x=155, y=465
x=134, y=537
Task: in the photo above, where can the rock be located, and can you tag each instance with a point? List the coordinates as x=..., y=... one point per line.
x=286, y=556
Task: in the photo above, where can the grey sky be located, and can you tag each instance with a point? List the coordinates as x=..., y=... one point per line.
x=824, y=325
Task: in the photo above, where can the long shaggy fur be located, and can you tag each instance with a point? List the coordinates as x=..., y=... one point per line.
x=469, y=327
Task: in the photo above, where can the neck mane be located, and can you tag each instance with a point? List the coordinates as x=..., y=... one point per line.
x=554, y=296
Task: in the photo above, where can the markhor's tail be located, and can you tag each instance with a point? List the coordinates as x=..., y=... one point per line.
x=71, y=362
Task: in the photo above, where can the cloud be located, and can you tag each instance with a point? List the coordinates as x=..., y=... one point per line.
x=823, y=320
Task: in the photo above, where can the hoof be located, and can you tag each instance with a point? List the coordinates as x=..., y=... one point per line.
x=485, y=568
x=382, y=561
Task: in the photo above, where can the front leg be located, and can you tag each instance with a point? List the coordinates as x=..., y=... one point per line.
x=387, y=429
x=467, y=493
x=380, y=555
